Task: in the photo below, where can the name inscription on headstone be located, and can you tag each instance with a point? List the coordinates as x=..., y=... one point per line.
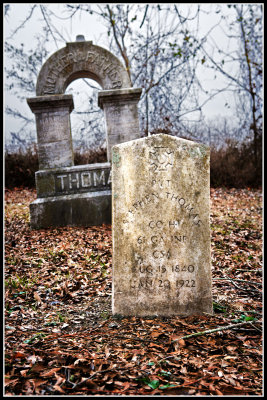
x=72, y=180
x=79, y=181
x=161, y=237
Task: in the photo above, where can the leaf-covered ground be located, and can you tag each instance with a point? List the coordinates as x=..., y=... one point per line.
x=62, y=339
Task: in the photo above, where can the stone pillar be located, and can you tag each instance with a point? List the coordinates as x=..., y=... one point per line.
x=121, y=115
x=52, y=115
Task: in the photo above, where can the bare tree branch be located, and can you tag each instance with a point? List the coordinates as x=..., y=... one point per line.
x=47, y=23
x=144, y=16
x=23, y=23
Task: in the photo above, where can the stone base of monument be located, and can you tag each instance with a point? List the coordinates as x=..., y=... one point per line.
x=72, y=196
x=84, y=209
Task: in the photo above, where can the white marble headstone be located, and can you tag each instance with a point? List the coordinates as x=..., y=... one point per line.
x=161, y=227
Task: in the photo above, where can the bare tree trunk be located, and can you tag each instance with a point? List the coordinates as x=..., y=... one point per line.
x=147, y=121
x=251, y=90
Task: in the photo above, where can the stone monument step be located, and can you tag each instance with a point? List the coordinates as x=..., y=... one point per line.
x=80, y=209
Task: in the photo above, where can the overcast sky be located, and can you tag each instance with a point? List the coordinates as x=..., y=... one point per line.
x=90, y=26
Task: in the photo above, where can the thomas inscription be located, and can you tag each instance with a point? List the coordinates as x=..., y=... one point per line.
x=82, y=181
x=184, y=206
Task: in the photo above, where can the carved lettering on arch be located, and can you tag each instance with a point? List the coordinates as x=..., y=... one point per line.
x=94, y=59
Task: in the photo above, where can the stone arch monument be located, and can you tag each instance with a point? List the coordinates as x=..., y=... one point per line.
x=68, y=194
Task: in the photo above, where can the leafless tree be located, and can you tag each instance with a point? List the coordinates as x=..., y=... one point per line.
x=242, y=67
x=162, y=49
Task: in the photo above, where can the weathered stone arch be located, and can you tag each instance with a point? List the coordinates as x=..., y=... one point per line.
x=68, y=194
x=81, y=60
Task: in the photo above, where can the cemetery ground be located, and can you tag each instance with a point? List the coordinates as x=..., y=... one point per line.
x=62, y=339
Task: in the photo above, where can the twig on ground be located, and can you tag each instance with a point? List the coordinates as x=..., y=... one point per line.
x=249, y=270
x=254, y=289
x=255, y=327
x=237, y=280
x=221, y=328
x=231, y=280
x=247, y=312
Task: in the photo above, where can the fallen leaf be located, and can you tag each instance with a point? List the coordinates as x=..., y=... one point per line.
x=58, y=388
x=51, y=372
x=37, y=297
x=183, y=370
x=155, y=334
x=19, y=354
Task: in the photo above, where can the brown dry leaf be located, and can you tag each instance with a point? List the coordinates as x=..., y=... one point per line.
x=174, y=337
x=229, y=389
x=80, y=360
x=211, y=367
x=50, y=372
x=33, y=358
x=23, y=372
x=230, y=380
x=37, y=368
x=231, y=348
x=191, y=391
x=130, y=365
x=212, y=388
x=120, y=383
x=37, y=297
x=19, y=354
x=107, y=352
x=59, y=389
x=60, y=379
x=239, y=305
x=181, y=343
x=11, y=382
x=155, y=334
x=37, y=382
x=156, y=346
x=126, y=386
x=90, y=383
x=183, y=370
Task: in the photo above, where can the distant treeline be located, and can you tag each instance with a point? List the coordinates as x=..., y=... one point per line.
x=231, y=166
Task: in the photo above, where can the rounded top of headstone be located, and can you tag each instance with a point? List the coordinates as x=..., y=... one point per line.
x=80, y=38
